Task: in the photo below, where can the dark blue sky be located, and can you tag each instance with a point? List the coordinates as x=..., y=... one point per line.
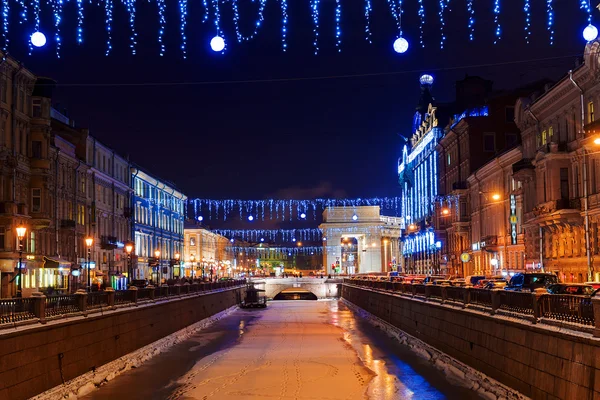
x=254, y=140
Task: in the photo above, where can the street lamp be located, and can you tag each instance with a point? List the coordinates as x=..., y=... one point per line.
x=21, y=230
x=177, y=257
x=128, y=250
x=89, y=241
x=158, y=271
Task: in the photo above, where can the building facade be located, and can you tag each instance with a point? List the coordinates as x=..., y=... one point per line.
x=207, y=254
x=158, y=209
x=417, y=175
x=495, y=203
x=560, y=173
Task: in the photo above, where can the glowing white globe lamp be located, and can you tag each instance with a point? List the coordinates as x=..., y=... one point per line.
x=354, y=217
x=303, y=215
x=217, y=43
x=400, y=45
x=250, y=218
x=38, y=39
x=590, y=33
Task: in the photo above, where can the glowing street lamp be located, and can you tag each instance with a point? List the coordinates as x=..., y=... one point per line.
x=21, y=230
x=158, y=271
x=89, y=241
x=128, y=250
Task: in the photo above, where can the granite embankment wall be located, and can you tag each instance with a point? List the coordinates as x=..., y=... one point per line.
x=36, y=358
x=541, y=362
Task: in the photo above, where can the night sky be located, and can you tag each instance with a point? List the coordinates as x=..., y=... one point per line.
x=295, y=137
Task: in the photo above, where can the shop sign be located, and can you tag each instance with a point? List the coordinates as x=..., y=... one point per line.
x=513, y=219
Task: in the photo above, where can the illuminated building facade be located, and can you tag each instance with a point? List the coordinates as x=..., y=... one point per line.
x=158, y=209
x=205, y=251
x=417, y=175
x=359, y=240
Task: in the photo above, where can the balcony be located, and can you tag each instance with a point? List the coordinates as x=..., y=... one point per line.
x=67, y=224
x=561, y=212
x=591, y=129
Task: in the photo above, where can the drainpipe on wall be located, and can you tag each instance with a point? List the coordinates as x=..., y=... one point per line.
x=590, y=267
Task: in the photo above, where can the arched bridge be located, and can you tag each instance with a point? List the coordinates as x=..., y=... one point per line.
x=322, y=288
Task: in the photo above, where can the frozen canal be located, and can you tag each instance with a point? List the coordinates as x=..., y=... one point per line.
x=292, y=350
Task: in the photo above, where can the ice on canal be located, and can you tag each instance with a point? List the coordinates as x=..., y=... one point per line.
x=291, y=350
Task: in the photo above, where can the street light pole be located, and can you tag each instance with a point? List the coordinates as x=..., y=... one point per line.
x=89, y=241
x=129, y=249
x=21, y=230
x=177, y=257
x=158, y=271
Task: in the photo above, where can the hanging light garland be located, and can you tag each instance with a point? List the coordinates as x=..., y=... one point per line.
x=285, y=210
x=212, y=10
x=258, y=250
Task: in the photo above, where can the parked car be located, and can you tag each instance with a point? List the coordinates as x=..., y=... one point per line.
x=595, y=285
x=572, y=288
x=473, y=279
x=495, y=284
x=433, y=278
x=528, y=282
x=139, y=283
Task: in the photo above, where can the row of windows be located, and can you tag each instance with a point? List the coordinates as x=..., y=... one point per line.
x=145, y=190
x=167, y=222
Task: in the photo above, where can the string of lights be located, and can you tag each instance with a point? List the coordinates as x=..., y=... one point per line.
x=281, y=209
x=307, y=250
x=218, y=42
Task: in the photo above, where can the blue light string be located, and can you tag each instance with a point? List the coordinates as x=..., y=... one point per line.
x=550, y=11
x=496, y=21
x=395, y=11
x=5, y=13
x=442, y=22
x=585, y=5
x=215, y=4
x=36, y=19
x=57, y=6
x=23, y=14
x=133, y=35
x=368, y=10
x=108, y=6
x=206, y=11
x=421, y=14
x=284, y=22
x=338, y=28
x=257, y=24
x=162, y=22
x=471, y=13
x=314, y=5
x=527, y=9
x=79, y=21
x=182, y=23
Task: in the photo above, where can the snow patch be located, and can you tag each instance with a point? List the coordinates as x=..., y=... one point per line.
x=86, y=383
x=456, y=372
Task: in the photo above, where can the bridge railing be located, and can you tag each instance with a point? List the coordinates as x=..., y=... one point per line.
x=574, y=312
x=39, y=308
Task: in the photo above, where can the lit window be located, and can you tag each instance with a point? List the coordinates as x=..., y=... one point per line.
x=591, y=111
x=544, y=137
x=449, y=159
